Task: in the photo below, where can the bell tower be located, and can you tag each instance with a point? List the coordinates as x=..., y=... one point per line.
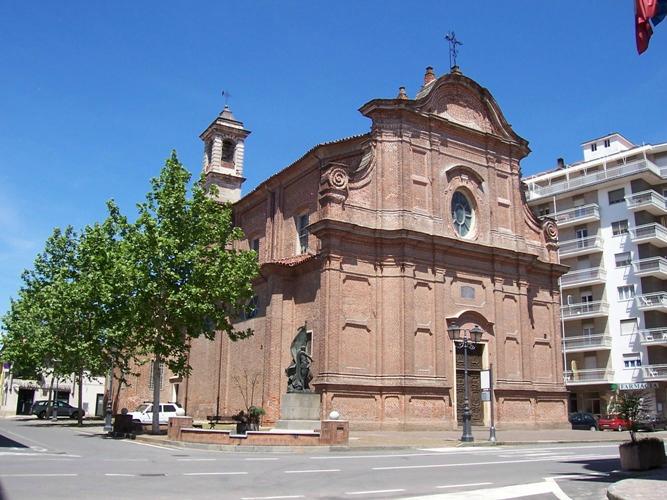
x=224, y=145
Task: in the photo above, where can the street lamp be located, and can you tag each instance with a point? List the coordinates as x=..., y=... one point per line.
x=467, y=341
x=109, y=409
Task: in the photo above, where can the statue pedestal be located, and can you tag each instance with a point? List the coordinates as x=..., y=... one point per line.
x=299, y=411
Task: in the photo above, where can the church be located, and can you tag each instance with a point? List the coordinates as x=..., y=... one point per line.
x=380, y=245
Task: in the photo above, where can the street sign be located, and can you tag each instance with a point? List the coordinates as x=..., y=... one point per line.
x=485, y=381
x=486, y=395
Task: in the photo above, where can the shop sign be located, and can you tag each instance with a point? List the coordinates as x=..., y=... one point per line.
x=638, y=386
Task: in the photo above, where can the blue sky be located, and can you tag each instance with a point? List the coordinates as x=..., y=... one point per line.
x=93, y=95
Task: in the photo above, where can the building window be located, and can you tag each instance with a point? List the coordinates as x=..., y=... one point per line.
x=254, y=245
x=302, y=233
x=619, y=227
x=607, y=143
x=622, y=259
x=544, y=210
x=150, y=375
x=626, y=292
x=462, y=214
x=616, y=196
x=467, y=292
x=251, y=309
x=594, y=147
x=632, y=360
x=628, y=326
x=587, y=328
x=228, y=147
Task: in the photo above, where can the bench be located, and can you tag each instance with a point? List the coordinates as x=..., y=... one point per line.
x=220, y=419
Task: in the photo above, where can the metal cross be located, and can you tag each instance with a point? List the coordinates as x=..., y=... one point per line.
x=226, y=95
x=453, y=49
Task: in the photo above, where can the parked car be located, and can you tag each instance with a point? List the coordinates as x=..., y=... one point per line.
x=583, y=420
x=651, y=423
x=613, y=422
x=144, y=412
x=45, y=408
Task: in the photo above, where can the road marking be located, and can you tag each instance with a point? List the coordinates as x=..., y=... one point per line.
x=38, y=475
x=581, y=475
x=461, y=485
x=28, y=454
x=373, y=492
x=272, y=498
x=310, y=470
x=214, y=473
x=151, y=445
x=504, y=492
x=195, y=459
x=259, y=459
x=499, y=462
x=555, y=489
x=41, y=446
x=121, y=475
x=396, y=455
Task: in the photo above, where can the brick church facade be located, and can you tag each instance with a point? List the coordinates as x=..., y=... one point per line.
x=379, y=243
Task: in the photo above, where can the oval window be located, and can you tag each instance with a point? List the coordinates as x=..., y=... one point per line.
x=462, y=214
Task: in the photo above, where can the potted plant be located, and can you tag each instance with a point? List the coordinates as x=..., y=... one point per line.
x=255, y=417
x=637, y=454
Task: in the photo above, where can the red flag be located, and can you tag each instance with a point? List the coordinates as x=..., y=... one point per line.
x=644, y=10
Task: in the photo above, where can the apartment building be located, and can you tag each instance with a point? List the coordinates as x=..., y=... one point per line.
x=611, y=213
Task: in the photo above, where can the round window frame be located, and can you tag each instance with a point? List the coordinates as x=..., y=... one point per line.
x=472, y=215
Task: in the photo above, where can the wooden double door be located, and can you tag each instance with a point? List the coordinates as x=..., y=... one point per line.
x=474, y=385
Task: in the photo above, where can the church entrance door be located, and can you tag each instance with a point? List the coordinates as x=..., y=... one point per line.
x=474, y=387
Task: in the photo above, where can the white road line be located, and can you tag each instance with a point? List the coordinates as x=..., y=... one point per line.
x=28, y=454
x=151, y=445
x=214, y=473
x=273, y=498
x=373, y=492
x=504, y=492
x=259, y=459
x=38, y=475
x=398, y=455
x=462, y=485
x=310, y=470
x=555, y=489
x=498, y=462
x=120, y=475
x=582, y=475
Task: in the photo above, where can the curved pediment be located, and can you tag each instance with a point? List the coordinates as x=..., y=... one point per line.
x=461, y=100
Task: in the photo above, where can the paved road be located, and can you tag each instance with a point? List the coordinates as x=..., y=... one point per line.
x=42, y=460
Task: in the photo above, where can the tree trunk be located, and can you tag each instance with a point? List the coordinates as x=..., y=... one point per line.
x=49, y=407
x=80, y=413
x=156, y=395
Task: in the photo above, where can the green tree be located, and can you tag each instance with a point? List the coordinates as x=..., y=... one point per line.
x=630, y=406
x=187, y=279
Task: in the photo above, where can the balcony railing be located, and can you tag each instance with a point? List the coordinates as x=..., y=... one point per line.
x=655, y=372
x=653, y=233
x=652, y=301
x=650, y=201
x=577, y=215
x=580, y=246
x=593, y=178
x=586, y=343
x=591, y=376
x=582, y=310
x=581, y=277
x=653, y=336
x=653, y=266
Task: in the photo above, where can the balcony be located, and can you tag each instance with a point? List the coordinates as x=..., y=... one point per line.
x=584, y=277
x=653, y=336
x=654, y=266
x=577, y=215
x=582, y=181
x=587, y=343
x=655, y=372
x=649, y=201
x=580, y=246
x=584, y=310
x=654, y=233
x=652, y=301
x=592, y=376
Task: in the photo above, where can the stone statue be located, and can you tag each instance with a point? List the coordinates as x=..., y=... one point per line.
x=298, y=372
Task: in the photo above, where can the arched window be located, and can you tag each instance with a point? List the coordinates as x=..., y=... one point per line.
x=228, y=147
x=462, y=213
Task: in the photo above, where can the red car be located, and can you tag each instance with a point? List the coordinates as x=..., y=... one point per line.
x=613, y=422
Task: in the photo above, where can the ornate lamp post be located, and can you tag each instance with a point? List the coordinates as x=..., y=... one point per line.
x=467, y=341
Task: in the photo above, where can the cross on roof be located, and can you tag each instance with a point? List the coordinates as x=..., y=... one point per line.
x=453, y=49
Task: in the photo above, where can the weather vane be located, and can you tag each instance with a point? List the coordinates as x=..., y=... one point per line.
x=453, y=49
x=226, y=95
